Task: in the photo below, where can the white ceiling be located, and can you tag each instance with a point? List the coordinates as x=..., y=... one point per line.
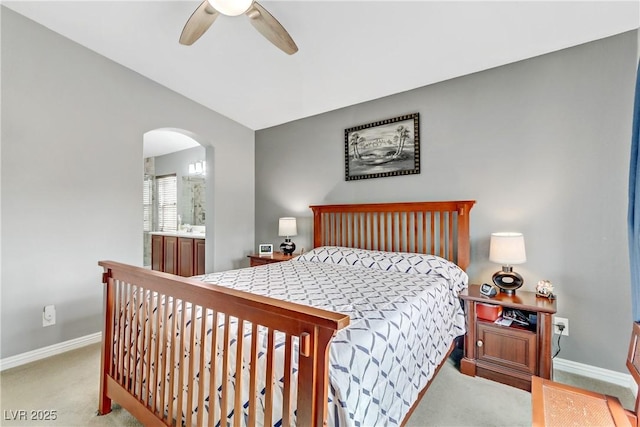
x=350, y=52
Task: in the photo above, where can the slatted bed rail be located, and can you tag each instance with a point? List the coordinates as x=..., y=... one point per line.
x=425, y=227
x=161, y=330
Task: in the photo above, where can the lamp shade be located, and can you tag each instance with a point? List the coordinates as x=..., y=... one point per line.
x=287, y=227
x=507, y=248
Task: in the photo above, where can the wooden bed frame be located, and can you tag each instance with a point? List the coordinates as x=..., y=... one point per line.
x=439, y=228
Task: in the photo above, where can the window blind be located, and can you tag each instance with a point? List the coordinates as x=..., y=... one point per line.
x=147, y=203
x=167, y=187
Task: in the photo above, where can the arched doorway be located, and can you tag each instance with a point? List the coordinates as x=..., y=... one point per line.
x=174, y=190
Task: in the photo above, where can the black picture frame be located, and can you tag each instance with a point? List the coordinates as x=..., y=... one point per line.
x=384, y=148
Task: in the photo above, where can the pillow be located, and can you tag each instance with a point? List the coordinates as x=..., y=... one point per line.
x=333, y=255
x=405, y=262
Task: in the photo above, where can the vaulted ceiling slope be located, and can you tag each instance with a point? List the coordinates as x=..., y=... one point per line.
x=350, y=51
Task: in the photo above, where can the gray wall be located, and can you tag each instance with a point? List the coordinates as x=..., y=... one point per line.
x=71, y=175
x=178, y=162
x=542, y=145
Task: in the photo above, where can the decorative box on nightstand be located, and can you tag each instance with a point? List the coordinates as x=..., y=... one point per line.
x=257, y=259
x=508, y=354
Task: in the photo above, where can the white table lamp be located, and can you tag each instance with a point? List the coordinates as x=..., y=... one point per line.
x=287, y=228
x=507, y=249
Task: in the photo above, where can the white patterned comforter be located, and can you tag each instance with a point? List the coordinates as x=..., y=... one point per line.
x=404, y=311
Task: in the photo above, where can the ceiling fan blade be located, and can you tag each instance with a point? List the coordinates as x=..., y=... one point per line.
x=271, y=29
x=199, y=22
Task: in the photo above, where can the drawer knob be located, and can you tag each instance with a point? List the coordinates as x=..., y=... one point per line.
x=479, y=343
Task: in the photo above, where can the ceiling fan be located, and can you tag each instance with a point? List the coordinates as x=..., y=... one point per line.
x=263, y=21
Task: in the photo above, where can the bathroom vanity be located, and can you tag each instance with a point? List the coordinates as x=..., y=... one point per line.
x=178, y=253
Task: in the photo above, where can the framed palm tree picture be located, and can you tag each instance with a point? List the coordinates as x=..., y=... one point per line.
x=388, y=147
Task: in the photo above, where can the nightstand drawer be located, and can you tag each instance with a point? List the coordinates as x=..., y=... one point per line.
x=260, y=261
x=256, y=259
x=510, y=347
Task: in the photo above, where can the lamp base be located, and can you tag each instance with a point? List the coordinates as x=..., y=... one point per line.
x=287, y=247
x=507, y=280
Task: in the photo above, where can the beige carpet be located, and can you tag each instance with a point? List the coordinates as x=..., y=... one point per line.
x=68, y=385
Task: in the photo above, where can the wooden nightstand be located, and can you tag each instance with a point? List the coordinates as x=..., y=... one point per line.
x=508, y=354
x=256, y=259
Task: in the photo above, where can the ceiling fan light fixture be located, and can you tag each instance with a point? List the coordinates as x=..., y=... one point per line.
x=208, y=11
x=231, y=7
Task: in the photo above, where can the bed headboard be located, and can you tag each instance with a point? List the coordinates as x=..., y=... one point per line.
x=438, y=228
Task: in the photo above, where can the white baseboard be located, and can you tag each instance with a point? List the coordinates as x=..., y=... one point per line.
x=52, y=350
x=593, y=372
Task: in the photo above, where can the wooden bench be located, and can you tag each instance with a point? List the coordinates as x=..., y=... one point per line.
x=555, y=404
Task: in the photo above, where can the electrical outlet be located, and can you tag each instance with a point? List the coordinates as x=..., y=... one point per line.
x=560, y=320
x=48, y=315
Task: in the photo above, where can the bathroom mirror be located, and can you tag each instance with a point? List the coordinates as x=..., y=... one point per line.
x=192, y=201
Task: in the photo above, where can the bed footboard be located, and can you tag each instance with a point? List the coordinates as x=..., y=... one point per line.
x=177, y=351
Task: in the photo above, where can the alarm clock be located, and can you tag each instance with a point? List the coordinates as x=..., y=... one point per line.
x=488, y=290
